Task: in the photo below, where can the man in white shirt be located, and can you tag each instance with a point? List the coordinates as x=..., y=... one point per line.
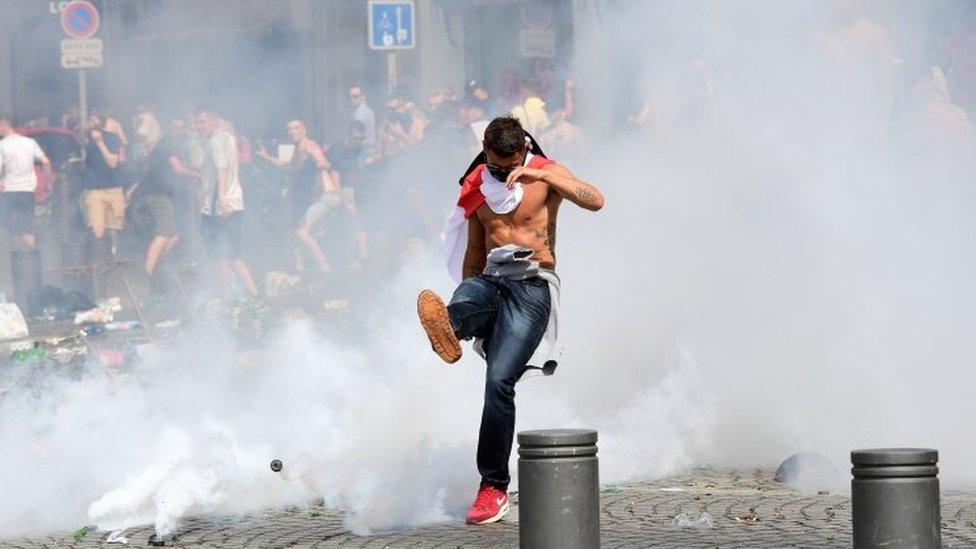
x=18, y=180
x=222, y=200
x=363, y=113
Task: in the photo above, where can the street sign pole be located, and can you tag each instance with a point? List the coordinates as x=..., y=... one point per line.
x=391, y=27
x=83, y=102
x=80, y=21
x=391, y=70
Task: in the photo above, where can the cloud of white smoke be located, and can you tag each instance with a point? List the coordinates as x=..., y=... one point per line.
x=380, y=428
x=797, y=212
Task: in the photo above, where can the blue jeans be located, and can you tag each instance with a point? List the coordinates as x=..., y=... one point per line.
x=511, y=316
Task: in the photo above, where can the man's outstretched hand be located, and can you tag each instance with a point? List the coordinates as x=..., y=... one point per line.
x=524, y=175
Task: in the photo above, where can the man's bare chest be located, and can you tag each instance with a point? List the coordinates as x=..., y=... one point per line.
x=534, y=207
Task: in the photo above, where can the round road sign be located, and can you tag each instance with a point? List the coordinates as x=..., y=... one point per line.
x=79, y=19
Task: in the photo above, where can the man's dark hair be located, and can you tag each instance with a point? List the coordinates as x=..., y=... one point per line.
x=504, y=136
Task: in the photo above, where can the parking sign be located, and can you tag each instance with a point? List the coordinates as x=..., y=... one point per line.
x=391, y=25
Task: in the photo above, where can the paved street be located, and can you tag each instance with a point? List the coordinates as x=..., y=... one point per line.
x=747, y=509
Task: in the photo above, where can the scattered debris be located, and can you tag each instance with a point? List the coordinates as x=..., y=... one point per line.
x=52, y=303
x=124, y=326
x=612, y=489
x=64, y=354
x=12, y=323
x=248, y=315
x=747, y=519
x=92, y=330
x=101, y=313
x=278, y=282
x=82, y=532
x=750, y=518
x=111, y=357
x=91, y=316
x=704, y=520
x=672, y=489
x=21, y=345
x=34, y=354
x=118, y=536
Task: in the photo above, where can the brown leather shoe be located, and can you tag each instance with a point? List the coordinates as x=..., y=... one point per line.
x=434, y=319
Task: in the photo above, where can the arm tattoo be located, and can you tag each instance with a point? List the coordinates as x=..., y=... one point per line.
x=552, y=238
x=585, y=196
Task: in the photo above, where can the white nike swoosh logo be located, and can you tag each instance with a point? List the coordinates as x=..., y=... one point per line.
x=499, y=501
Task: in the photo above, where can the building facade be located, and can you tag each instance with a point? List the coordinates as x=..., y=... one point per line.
x=264, y=62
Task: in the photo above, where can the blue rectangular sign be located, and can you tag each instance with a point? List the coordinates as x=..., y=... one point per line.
x=391, y=25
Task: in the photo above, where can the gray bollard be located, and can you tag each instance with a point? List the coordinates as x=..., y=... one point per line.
x=559, y=489
x=895, y=498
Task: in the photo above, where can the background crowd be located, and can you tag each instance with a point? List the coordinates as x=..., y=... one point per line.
x=179, y=191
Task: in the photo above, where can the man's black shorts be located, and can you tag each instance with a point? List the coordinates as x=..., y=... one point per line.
x=18, y=212
x=223, y=235
x=160, y=209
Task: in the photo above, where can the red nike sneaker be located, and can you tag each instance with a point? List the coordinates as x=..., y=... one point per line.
x=490, y=505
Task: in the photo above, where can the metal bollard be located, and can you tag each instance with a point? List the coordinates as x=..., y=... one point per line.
x=25, y=270
x=559, y=489
x=895, y=498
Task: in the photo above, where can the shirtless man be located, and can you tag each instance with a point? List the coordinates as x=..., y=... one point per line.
x=311, y=175
x=506, y=297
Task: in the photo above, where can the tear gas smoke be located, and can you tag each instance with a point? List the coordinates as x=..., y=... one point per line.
x=779, y=267
x=797, y=213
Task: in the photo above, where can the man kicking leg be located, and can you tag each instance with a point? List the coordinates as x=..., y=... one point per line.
x=509, y=294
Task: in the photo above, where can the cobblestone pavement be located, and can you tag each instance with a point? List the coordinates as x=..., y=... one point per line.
x=747, y=509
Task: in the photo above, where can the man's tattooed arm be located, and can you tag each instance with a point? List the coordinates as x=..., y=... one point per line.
x=587, y=198
x=578, y=192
